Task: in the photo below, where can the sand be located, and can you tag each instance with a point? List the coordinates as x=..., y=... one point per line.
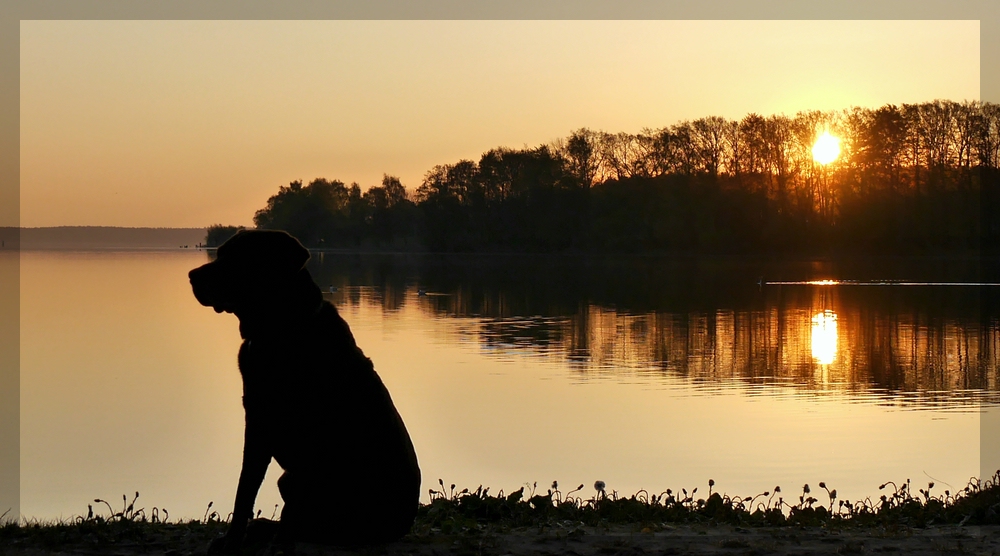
x=617, y=540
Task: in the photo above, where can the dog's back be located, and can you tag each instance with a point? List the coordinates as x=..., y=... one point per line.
x=326, y=412
x=322, y=402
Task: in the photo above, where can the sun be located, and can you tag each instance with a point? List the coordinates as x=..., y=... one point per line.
x=826, y=149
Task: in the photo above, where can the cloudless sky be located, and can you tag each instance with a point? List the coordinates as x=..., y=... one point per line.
x=188, y=123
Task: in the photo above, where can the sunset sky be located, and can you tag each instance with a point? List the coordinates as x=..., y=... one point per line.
x=191, y=123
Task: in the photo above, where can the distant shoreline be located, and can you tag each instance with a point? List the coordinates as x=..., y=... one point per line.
x=100, y=237
x=112, y=238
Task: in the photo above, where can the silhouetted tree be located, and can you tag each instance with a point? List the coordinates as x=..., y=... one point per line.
x=910, y=178
x=580, y=153
x=217, y=234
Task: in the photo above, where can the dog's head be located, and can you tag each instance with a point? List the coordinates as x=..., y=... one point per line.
x=254, y=272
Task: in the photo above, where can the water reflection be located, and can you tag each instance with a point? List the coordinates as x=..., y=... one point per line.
x=708, y=324
x=513, y=369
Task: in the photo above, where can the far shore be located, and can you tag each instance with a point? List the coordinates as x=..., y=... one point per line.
x=111, y=238
x=100, y=237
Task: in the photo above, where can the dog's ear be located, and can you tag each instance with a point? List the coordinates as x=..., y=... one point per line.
x=273, y=250
x=292, y=255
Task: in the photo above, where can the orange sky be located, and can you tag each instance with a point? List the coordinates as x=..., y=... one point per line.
x=187, y=123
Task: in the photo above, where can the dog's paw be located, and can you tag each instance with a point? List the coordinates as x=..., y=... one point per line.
x=261, y=531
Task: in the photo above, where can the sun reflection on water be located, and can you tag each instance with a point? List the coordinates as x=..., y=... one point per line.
x=824, y=337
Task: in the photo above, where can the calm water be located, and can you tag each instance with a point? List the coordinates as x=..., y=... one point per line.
x=641, y=372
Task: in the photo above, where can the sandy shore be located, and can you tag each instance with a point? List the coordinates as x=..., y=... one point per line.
x=618, y=540
x=696, y=539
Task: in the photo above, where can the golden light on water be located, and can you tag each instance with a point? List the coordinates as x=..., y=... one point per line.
x=824, y=337
x=826, y=149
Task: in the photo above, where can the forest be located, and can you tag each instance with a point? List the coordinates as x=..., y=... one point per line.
x=910, y=179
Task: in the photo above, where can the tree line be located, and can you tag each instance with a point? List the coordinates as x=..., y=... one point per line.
x=913, y=178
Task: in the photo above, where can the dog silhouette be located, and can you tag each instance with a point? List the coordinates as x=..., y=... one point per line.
x=313, y=402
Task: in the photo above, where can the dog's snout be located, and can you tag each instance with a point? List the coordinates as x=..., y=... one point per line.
x=194, y=276
x=201, y=285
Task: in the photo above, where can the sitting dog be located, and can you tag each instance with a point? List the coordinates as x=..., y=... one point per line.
x=313, y=402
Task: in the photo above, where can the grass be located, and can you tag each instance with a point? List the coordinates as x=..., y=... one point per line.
x=471, y=511
x=977, y=504
x=130, y=526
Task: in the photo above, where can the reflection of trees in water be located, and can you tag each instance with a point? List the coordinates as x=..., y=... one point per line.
x=386, y=277
x=900, y=352
x=903, y=353
x=696, y=325
x=906, y=352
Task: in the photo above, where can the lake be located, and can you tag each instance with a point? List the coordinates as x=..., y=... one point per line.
x=643, y=372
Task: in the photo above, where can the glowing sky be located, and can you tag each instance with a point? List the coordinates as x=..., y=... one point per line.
x=188, y=123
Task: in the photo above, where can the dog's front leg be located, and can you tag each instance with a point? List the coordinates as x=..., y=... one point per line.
x=256, y=458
